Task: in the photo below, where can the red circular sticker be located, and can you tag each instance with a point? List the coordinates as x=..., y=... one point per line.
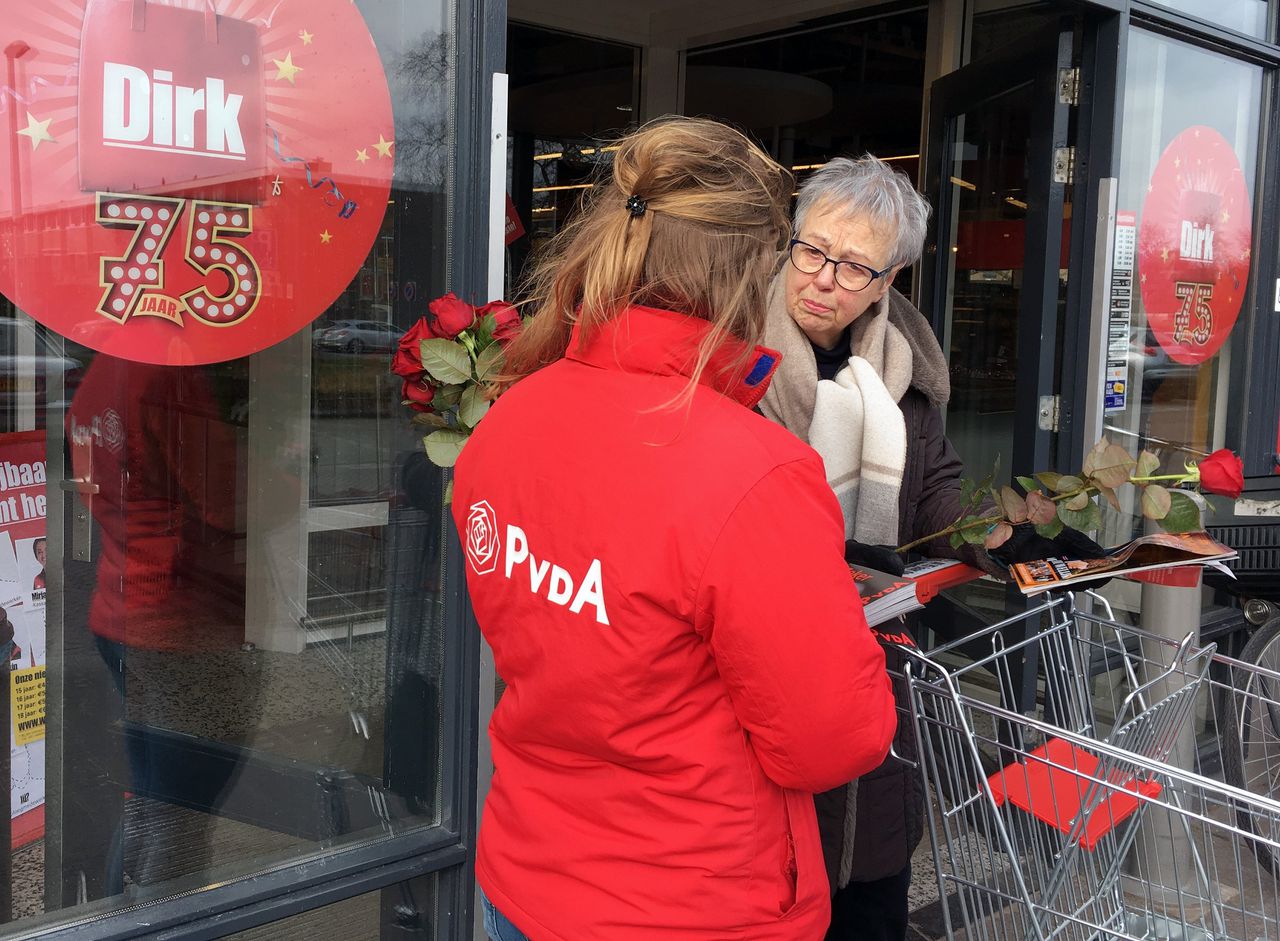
x=188, y=181
x=1194, y=245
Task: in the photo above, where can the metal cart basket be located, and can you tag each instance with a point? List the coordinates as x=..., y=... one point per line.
x=1094, y=813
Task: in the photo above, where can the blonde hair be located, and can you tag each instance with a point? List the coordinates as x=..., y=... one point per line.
x=705, y=245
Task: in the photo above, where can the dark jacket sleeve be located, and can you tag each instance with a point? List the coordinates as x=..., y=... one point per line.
x=937, y=502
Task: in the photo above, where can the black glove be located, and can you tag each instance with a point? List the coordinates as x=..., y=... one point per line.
x=882, y=558
x=1027, y=545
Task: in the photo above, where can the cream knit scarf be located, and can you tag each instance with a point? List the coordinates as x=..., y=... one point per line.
x=854, y=422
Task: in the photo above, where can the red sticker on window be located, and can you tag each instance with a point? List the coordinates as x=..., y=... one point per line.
x=1194, y=245
x=188, y=182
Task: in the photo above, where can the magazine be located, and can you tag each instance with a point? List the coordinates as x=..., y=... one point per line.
x=1156, y=551
x=886, y=596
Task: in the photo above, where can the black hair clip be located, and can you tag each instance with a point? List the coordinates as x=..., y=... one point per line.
x=636, y=206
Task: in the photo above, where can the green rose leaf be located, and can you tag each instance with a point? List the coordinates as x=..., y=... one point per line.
x=444, y=446
x=1015, y=508
x=445, y=360
x=483, y=330
x=1068, y=484
x=1028, y=484
x=1112, y=467
x=1051, y=529
x=974, y=535
x=1092, y=458
x=1156, y=502
x=1148, y=464
x=1110, y=494
x=957, y=540
x=1050, y=480
x=490, y=362
x=1040, y=509
x=1077, y=503
x=1084, y=520
x=472, y=406
x=1183, y=515
x=448, y=396
x=998, y=536
x=431, y=419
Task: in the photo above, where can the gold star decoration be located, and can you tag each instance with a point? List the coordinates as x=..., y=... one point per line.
x=383, y=146
x=1177, y=161
x=1247, y=253
x=362, y=155
x=285, y=68
x=1164, y=254
x=305, y=37
x=325, y=237
x=1226, y=217
x=37, y=131
x=1144, y=279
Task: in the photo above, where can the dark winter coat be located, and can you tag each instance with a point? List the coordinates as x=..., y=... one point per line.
x=890, y=798
x=890, y=802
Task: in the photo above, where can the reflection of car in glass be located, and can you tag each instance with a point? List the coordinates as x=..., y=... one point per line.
x=1150, y=363
x=357, y=336
x=26, y=360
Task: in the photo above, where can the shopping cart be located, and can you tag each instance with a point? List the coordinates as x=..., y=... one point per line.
x=1098, y=821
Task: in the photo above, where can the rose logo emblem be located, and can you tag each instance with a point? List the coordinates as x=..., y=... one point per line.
x=482, y=538
x=112, y=431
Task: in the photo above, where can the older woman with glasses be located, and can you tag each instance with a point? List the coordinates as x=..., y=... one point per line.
x=862, y=379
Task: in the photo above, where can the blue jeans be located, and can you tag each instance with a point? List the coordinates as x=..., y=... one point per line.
x=496, y=924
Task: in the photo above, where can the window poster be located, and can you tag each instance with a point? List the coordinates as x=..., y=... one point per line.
x=1194, y=245
x=1119, y=314
x=22, y=602
x=188, y=181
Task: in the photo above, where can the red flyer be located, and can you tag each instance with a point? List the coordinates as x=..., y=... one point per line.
x=189, y=181
x=1194, y=245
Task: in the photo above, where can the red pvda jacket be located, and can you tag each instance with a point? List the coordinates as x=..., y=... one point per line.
x=685, y=654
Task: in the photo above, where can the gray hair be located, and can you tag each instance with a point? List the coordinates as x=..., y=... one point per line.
x=871, y=189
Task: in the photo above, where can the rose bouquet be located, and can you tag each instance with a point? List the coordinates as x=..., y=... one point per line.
x=1051, y=501
x=448, y=361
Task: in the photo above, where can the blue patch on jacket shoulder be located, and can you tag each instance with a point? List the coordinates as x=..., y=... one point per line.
x=762, y=368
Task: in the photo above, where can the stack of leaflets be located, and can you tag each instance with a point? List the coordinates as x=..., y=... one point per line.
x=1144, y=554
x=886, y=596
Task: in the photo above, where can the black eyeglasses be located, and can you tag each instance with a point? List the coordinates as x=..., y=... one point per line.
x=849, y=274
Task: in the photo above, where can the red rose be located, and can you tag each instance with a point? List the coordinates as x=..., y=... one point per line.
x=1222, y=473
x=450, y=316
x=408, y=359
x=507, y=319
x=418, y=393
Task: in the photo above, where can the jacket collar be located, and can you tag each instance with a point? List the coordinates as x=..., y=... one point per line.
x=665, y=343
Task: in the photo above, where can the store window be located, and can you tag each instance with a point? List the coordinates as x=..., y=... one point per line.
x=1183, y=264
x=571, y=97
x=1243, y=16
x=220, y=542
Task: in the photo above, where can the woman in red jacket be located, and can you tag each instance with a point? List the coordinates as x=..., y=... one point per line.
x=686, y=664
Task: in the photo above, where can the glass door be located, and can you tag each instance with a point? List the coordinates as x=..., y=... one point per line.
x=999, y=172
